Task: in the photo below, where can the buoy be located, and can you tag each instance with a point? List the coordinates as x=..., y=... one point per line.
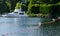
x=7, y=34
x=2, y=34
x=58, y=17
x=53, y=19
x=39, y=24
x=14, y=33
x=10, y=33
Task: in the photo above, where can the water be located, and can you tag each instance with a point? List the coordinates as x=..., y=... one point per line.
x=19, y=26
x=26, y=27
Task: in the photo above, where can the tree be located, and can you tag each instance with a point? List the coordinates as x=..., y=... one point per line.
x=55, y=11
x=18, y=5
x=35, y=9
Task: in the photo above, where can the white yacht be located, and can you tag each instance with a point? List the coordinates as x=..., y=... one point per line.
x=16, y=13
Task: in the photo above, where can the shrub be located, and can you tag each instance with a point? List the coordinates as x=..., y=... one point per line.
x=18, y=5
x=35, y=9
x=24, y=7
x=45, y=8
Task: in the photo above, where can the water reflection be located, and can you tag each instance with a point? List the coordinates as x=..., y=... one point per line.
x=18, y=26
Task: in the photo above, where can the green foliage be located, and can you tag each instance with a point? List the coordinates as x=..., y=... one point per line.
x=18, y=5
x=31, y=6
x=58, y=3
x=24, y=7
x=45, y=8
x=3, y=8
x=42, y=8
x=11, y=4
x=55, y=11
x=35, y=9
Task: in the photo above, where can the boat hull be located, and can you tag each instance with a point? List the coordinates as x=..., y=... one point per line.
x=14, y=16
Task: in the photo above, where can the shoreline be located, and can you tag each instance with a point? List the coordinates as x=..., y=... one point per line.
x=38, y=15
x=50, y=22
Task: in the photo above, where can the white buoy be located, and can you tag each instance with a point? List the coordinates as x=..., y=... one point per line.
x=39, y=24
x=58, y=17
x=53, y=19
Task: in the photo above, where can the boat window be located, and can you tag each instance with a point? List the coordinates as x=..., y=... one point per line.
x=21, y=13
x=15, y=12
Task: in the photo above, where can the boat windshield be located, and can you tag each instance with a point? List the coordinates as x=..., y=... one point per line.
x=15, y=12
x=21, y=13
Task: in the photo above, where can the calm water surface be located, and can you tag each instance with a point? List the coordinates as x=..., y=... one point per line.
x=25, y=27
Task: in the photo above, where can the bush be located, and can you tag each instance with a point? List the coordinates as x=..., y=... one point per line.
x=35, y=9
x=45, y=9
x=42, y=8
x=18, y=5
x=24, y=7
